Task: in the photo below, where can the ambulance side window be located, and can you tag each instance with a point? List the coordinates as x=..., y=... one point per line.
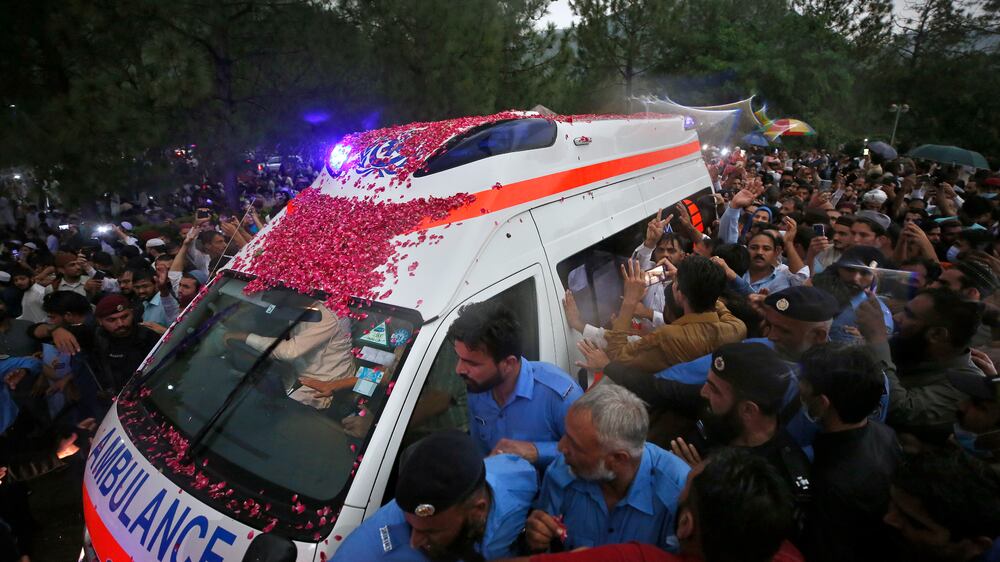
x=594, y=273
x=443, y=403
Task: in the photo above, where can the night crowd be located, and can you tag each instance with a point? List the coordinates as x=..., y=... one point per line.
x=801, y=368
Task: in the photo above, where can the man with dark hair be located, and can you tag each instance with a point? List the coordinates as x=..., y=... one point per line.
x=947, y=250
x=975, y=281
x=159, y=305
x=870, y=229
x=824, y=251
x=972, y=279
x=705, y=324
x=944, y=506
x=21, y=278
x=213, y=244
x=840, y=386
x=765, y=272
x=449, y=505
x=848, y=280
x=736, y=256
x=515, y=405
x=935, y=329
x=734, y=507
x=926, y=270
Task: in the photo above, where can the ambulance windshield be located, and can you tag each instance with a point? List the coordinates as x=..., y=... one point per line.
x=275, y=392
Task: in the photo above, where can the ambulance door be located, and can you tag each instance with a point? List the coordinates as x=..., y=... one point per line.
x=442, y=403
x=570, y=226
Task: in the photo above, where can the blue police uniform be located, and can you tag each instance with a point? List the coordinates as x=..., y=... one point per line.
x=646, y=514
x=386, y=534
x=802, y=431
x=848, y=318
x=535, y=411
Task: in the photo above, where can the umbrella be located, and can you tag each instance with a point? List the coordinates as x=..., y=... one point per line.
x=788, y=127
x=756, y=138
x=950, y=155
x=883, y=150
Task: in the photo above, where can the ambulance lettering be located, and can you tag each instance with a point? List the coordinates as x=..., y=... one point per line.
x=118, y=479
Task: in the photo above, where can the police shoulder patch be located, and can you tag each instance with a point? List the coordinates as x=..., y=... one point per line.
x=386, y=539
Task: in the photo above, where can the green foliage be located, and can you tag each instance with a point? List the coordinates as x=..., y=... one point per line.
x=104, y=90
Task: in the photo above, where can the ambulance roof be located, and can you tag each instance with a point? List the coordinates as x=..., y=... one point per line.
x=471, y=175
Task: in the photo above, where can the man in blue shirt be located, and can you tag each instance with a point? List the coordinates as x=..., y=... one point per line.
x=609, y=485
x=159, y=305
x=847, y=280
x=515, y=405
x=765, y=272
x=450, y=504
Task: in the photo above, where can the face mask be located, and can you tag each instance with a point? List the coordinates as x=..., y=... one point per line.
x=967, y=440
x=952, y=254
x=805, y=412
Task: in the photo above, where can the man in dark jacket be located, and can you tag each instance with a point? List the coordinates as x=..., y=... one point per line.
x=121, y=343
x=840, y=386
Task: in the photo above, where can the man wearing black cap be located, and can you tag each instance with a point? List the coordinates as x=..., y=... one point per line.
x=977, y=430
x=799, y=318
x=854, y=457
x=796, y=319
x=847, y=280
x=743, y=395
x=449, y=505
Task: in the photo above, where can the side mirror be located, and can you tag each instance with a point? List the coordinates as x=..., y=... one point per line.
x=268, y=547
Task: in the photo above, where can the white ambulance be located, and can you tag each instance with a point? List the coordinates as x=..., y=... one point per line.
x=216, y=452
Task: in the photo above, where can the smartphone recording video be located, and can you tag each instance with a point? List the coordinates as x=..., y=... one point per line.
x=656, y=275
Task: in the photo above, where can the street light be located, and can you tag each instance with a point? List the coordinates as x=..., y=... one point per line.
x=898, y=109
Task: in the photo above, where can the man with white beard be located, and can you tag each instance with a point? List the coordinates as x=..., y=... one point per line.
x=608, y=485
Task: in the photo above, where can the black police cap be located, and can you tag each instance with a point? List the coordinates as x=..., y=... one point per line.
x=807, y=304
x=754, y=369
x=437, y=472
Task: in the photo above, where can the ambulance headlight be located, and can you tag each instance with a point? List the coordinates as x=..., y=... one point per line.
x=338, y=156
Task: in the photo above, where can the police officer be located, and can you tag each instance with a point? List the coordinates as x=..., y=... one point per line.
x=515, y=405
x=608, y=485
x=450, y=504
x=744, y=395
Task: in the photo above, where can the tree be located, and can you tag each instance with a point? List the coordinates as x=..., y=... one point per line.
x=620, y=40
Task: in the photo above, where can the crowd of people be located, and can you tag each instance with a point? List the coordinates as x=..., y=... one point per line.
x=808, y=376
x=83, y=300
x=805, y=373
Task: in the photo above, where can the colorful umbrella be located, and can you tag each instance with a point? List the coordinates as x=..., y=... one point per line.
x=950, y=155
x=788, y=127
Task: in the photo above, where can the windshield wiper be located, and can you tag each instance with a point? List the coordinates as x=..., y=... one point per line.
x=199, y=437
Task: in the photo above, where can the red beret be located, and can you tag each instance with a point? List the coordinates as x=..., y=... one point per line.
x=111, y=304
